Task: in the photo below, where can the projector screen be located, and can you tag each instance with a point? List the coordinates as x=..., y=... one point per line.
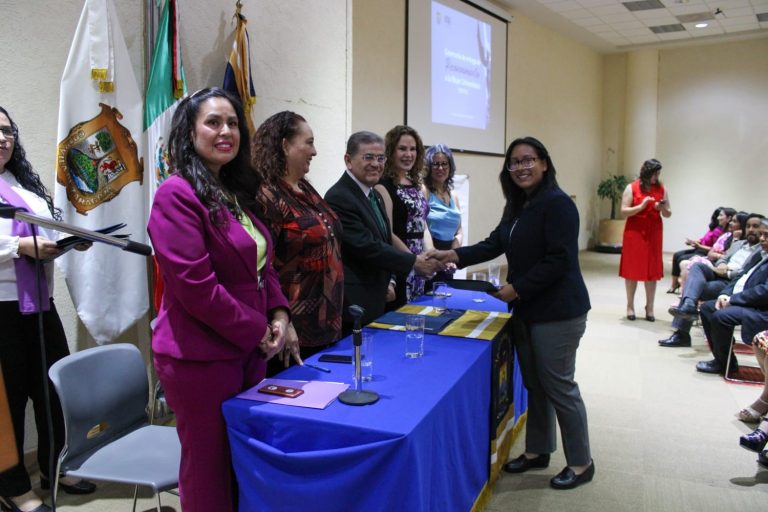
x=456, y=75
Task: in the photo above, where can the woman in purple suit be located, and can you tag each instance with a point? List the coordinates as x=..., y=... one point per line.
x=223, y=314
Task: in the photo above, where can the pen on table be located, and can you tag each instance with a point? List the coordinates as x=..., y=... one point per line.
x=326, y=370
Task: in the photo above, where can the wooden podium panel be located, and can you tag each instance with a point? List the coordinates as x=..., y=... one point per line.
x=8, y=455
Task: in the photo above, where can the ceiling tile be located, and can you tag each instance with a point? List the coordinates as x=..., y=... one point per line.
x=741, y=20
x=735, y=13
x=593, y=3
x=627, y=25
x=617, y=18
x=659, y=21
x=590, y=22
x=605, y=10
x=567, y=5
x=741, y=28
x=674, y=35
x=577, y=14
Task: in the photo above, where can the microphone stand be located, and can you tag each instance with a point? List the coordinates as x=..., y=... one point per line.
x=358, y=396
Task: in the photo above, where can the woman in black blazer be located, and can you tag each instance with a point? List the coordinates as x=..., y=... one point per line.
x=538, y=233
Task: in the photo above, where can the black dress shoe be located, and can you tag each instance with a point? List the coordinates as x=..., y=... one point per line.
x=678, y=339
x=523, y=464
x=567, y=479
x=631, y=317
x=81, y=487
x=686, y=310
x=7, y=505
x=754, y=441
x=710, y=367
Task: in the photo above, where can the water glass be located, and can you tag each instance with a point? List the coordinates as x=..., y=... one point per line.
x=414, y=336
x=479, y=276
x=366, y=357
x=439, y=295
x=494, y=274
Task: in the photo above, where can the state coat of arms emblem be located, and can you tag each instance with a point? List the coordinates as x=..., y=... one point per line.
x=97, y=159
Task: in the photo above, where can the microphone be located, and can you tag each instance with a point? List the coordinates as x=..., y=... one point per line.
x=357, y=313
x=357, y=396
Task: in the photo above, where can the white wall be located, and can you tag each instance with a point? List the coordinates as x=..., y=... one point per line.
x=712, y=133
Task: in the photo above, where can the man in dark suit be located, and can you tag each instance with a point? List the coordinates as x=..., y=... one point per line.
x=743, y=303
x=370, y=260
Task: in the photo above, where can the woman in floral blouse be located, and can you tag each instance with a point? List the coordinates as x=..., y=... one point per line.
x=305, y=231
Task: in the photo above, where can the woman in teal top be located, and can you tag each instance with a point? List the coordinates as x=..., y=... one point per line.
x=444, y=219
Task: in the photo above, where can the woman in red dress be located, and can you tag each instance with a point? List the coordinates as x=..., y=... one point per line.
x=644, y=202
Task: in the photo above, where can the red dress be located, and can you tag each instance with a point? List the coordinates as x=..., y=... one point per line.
x=643, y=233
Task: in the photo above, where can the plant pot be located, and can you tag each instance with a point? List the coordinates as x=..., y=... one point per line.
x=610, y=235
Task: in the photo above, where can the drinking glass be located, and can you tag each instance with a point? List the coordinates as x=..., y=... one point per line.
x=414, y=336
x=439, y=295
x=479, y=276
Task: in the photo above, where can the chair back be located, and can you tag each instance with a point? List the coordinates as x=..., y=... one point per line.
x=103, y=393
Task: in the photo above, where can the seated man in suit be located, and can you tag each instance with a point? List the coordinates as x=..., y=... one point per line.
x=705, y=282
x=744, y=303
x=370, y=260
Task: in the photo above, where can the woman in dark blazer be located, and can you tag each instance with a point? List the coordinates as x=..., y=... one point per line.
x=538, y=233
x=223, y=314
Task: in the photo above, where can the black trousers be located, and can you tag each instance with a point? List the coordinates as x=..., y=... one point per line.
x=21, y=362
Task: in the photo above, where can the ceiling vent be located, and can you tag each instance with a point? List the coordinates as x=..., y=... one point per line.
x=665, y=29
x=763, y=16
x=643, y=5
x=695, y=17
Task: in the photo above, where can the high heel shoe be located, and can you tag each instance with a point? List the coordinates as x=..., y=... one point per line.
x=749, y=415
x=81, y=487
x=7, y=505
x=673, y=289
x=754, y=441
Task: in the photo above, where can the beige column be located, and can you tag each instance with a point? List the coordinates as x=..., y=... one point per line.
x=641, y=109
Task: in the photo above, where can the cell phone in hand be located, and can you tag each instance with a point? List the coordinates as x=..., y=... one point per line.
x=272, y=389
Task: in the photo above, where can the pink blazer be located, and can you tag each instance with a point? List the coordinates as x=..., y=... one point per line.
x=215, y=304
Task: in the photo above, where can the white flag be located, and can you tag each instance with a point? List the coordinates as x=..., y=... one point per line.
x=100, y=173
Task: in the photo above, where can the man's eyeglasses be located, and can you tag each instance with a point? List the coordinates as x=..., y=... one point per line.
x=369, y=157
x=8, y=132
x=526, y=163
x=441, y=165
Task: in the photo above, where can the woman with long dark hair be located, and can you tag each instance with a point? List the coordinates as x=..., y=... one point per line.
x=538, y=233
x=20, y=354
x=222, y=314
x=643, y=203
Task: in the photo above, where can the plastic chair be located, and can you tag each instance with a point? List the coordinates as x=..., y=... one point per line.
x=104, y=396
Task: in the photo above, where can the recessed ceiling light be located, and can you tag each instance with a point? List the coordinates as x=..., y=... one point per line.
x=700, y=25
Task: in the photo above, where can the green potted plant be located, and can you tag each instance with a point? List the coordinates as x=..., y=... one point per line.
x=611, y=231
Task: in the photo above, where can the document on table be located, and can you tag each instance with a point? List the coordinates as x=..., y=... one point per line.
x=317, y=394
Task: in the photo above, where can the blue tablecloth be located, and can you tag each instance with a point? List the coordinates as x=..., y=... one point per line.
x=463, y=299
x=422, y=446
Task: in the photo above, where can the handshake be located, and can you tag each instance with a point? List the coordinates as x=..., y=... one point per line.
x=432, y=261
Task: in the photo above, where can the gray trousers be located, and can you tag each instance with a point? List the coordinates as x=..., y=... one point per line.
x=701, y=284
x=547, y=356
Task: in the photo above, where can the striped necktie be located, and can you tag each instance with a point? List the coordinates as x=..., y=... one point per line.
x=377, y=211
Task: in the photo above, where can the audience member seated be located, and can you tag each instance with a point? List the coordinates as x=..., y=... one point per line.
x=744, y=303
x=719, y=248
x=758, y=409
x=705, y=282
x=717, y=224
